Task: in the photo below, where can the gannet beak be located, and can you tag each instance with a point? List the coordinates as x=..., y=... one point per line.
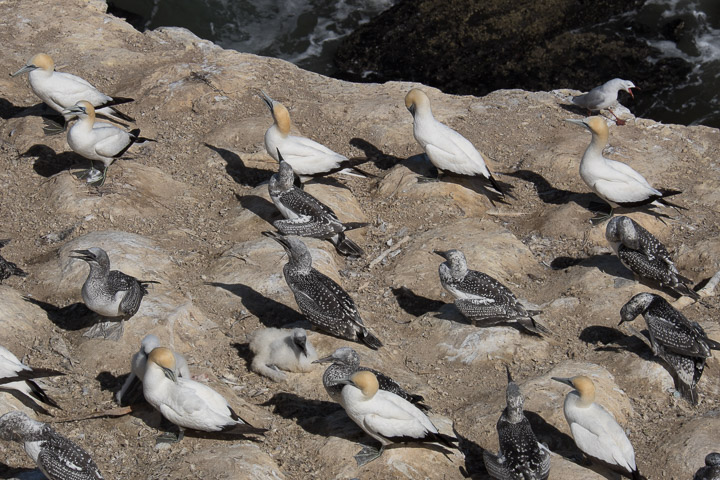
x=411, y=109
x=169, y=374
x=327, y=359
x=266, y=98
x=84, y=255
x=442, y=253
x=74, y=110
x=280, y=239
x=346, y=381
x=566, y=381
x=577, y=122
x=302, y=344
x=26, y=68
x=280, y=157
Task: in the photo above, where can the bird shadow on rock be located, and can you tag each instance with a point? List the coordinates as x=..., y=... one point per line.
x=10, y=110
x=73, y=317
x=546, y=192
x=614, y=340
x=557, y=441
x=260, y=207
x=270, y=312
x=244, y=352
x=474, y=463
x=49, y=163
x=381, y=160
x=414, y=304
x=236, y=168
x=608, y=264
x=319, y=417
x=20, y=473
x=110, y=382
x=27, y=401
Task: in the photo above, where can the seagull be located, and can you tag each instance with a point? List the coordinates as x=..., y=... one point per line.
x=278, y=349
x=187, y=403
x=57, y=457
x=345, y=362
x=306, y=215
x=521, y=457
x=98, y=140
x=307, y=157
x=139, y=361
x=109, y=293
x=61, y=90
x=604, y=96
x=446, y=148
x=642, y=253
x=386, y=417
x=613, y=181
x=323, y=302
x=481, y=298
x=682, y=344
x=711, y=470
x=15, y=375
x=595, y=430
x=8, y=268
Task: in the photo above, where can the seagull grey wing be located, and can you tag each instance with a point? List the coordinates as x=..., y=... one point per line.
x=61, y=459
x=118, y=281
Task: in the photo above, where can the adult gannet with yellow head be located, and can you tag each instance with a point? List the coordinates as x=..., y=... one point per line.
x=187, y=403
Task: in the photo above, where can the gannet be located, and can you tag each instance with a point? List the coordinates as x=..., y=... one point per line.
x=604, y=96
x=385, y=416
x=187, y=403
x=711, y=470
x=682, y=344
x=8, y=268
x=57, y=457
x=481, y=298
x=323, y=302
x=15, y=375
x=278, y=349
x=613, y=181
x=307, y=216
x=345, y=362
x=595, y=430
x=98, y=140
x=446, y=148
x=109, y=293
x=307, y=157
x=642, y=253
x=139, y=361
x=521, y=457
x=61, y=90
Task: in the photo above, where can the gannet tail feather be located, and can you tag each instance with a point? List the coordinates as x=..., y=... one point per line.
x=39, y=394
x=686, y=290
x=354, y=225
x=669, y=193
x=531, y=325
x=369, y=339
x=347, y=247
x=117, y=101
x=496, y=185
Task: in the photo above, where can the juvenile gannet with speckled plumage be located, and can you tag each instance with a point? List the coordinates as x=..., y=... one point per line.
x=187, y=403
x=278, y=349
x=60, y=90
x=642, y=253
x=139, y=361
x=481, y=298
x=307, y=216
x=386, y=417
x=8, y=268
x=15, y=375
x=521, y=457
x=57, y=457
x=446, y=148
x=615, y=182
x=323, y=302
x=604, y=96
x=345, y=362
x=110, y=293
x=595, y=430
x=711, y=470
x=683, y=344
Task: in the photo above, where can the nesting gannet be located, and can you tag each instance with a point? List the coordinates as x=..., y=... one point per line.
x=613, y=181
x=60, y=90
x=595, y=430
x=385, y=416
x=15, y=375
x=642, y=253
x=307, y=157
x=139, y=361
x=481, y=298
x=711, y=470
x=278, y=349
x=521, y=457
x=187, y=403
x=604, y=96
x=109, y=293
x=345, y=362
x=98, y=140
x=8, y=268
x=682, y=344
x=307, y=216
x=57, y=457
x=323, y=302
x=446, y=148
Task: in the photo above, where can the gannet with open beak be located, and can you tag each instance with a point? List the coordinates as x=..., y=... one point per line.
x=604, y=96
x=594, y=429
x=386, y=417
x=60, y=90
x=446, y=148
x=57, y=457
x=187, y=403
x=278, y=349
x=615, y=182
x=15, y=375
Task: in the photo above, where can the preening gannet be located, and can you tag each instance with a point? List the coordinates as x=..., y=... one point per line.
x=15, y=375
x=604, y=96
x=278, y=349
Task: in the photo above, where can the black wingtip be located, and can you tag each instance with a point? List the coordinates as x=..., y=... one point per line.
x=370, y=340
x=39, y=394
x=686, y=290
x=347, y=247
x=496, y=185
x=532, y=326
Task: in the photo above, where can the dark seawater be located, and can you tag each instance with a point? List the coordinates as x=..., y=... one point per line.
x=307, y=33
